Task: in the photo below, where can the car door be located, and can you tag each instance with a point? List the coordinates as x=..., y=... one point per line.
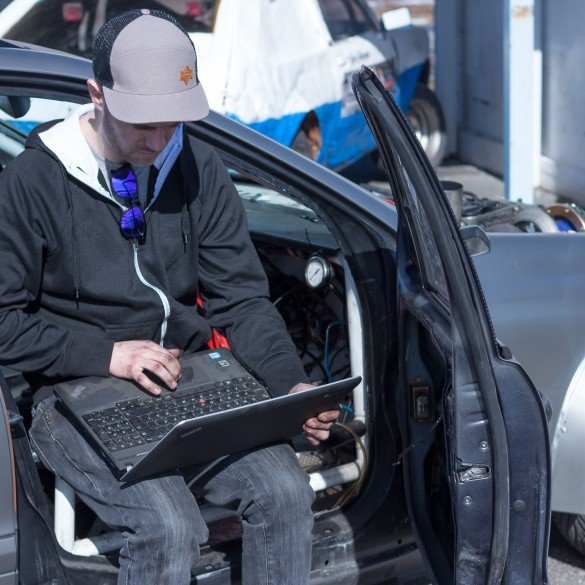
x=8, y=525
x=495, y=435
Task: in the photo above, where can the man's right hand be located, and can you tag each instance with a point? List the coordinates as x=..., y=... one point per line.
x=131, y=359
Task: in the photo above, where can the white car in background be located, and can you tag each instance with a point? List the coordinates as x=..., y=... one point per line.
x=278, y=66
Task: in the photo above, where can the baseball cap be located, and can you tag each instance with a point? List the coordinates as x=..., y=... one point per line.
x=147, y=66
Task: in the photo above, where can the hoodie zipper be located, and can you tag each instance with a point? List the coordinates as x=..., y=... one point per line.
x=71, y=165
x=162, y=296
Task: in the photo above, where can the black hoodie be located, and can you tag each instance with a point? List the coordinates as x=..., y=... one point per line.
x=71, y=285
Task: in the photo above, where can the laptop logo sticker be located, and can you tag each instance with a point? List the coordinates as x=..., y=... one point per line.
x=223, y=363
x=215, y=355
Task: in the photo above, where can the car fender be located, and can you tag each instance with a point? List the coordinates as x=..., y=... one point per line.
x=567, y=449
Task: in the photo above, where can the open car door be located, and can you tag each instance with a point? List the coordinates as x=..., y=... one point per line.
x=483, y=418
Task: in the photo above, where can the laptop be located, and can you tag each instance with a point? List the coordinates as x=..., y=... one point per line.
x=217, y=409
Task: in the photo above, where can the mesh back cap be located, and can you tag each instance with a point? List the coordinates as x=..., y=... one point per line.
x=147, y=66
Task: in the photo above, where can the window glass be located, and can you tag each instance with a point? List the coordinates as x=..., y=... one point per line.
x=14, y=130
x=71, y=26
x=345, y=18
x=428, y=258
x=272, y=213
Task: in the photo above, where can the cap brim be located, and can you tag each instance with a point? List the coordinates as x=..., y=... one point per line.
x=184, y=106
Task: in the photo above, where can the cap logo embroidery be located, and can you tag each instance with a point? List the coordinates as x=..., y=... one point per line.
x=186, y=75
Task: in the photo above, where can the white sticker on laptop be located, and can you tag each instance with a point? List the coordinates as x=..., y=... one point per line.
x=215, y=355
x=223, y=363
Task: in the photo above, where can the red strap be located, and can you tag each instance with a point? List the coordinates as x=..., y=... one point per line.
x=217, y=339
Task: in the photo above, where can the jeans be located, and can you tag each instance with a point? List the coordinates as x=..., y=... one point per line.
x=160, y=519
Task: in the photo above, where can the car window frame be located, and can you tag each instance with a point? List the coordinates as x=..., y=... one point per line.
x=350, y=6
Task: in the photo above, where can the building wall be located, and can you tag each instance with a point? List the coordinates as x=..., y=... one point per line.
x=470, y=59
x=563, y=138
x=469, y=76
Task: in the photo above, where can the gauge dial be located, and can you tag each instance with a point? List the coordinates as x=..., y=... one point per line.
x=318, y=272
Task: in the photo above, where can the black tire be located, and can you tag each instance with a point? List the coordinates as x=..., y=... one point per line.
x=426, y=120
x=572, y=527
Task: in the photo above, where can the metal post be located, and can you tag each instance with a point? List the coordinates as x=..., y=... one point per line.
x=519, y=36
x=449, y=67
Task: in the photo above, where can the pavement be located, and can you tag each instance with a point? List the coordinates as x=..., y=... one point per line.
x=473, y=179
x=565, y=565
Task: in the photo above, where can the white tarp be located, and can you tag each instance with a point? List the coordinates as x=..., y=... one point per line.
x=267, y=58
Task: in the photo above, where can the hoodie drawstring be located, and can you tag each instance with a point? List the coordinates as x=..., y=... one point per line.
x=186, y=219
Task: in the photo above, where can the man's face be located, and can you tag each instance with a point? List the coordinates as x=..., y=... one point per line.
x=138, y=144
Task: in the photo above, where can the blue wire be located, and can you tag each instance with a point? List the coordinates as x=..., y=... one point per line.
x=326, y=355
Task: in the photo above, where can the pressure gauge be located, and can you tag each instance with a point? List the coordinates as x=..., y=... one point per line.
x=318, y=272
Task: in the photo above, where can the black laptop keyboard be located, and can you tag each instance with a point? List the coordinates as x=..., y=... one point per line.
x=146, y=420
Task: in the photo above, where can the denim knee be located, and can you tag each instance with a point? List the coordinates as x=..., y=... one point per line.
x=172, y=534
x=287, y=498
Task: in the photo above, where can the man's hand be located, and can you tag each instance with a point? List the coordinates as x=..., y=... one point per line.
x=130, y=359
x=317, y=428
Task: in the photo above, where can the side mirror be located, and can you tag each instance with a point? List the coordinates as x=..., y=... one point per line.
x=475, y=239
x=15, y=106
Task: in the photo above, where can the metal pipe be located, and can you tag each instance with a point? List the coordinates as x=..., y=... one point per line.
x=355, y=334
x=336, y=475
x=64, y=520
x=519, y=62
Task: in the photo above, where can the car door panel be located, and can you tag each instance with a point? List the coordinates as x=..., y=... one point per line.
x=511, y=464
x=538, y=312
x=8, y=525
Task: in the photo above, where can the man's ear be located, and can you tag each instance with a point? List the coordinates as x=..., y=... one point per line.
x=96, y=94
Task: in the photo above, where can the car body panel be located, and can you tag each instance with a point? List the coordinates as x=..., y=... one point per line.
x=537, y=308
x=300, y=68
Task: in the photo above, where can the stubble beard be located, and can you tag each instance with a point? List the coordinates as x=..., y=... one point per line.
x=116, y=148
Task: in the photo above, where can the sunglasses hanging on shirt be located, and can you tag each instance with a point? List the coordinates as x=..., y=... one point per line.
x=124, y=185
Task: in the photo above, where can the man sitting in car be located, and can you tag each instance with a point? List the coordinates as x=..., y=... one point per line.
x=110, y=221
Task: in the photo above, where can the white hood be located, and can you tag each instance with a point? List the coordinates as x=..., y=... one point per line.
x=66, y=140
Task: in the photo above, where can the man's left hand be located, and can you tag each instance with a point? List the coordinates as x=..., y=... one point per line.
x=317, y=428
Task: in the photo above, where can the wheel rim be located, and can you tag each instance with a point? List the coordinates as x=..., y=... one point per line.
x=425, y=122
